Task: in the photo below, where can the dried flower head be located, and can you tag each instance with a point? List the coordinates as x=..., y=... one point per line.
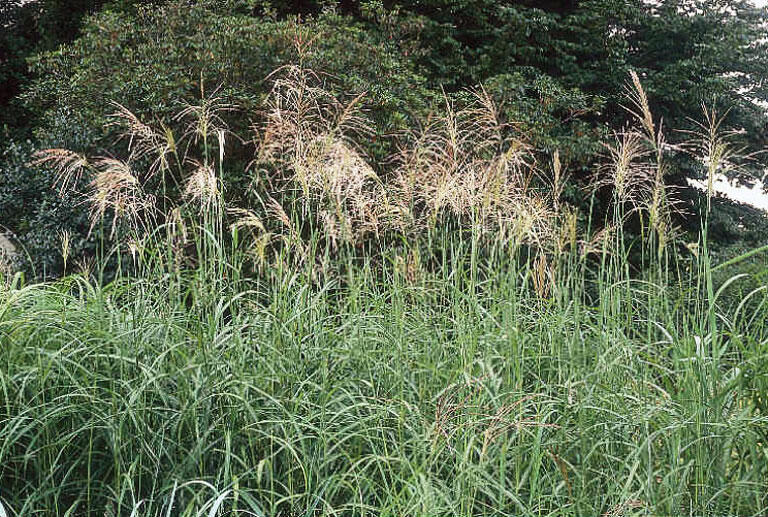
x=309, y=138
x=143, y=140
x=69, y=166
x=116, y=189
x=206, y=118
x=464, y=163
x=627, y=170
x=202, y=187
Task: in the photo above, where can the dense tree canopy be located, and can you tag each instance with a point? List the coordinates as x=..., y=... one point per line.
x=559, y=67
x=687, y=51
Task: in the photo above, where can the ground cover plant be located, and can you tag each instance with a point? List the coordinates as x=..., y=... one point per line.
x=451, y=338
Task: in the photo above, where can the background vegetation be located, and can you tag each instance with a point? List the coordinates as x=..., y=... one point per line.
x=557, y=69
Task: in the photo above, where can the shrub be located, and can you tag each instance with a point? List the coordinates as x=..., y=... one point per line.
x=35, y=212
x=153, y=62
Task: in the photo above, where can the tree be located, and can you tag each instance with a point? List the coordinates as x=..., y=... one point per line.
x=694, y=52
x=34, y=26
x=687, y=52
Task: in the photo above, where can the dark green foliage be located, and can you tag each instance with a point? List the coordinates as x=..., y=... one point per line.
x=37, y=214
x=28, y=28
x=687, y=52
x=15, y=44
x=152, y=62
x=559, y=68
x=472, y=40
x=549, y=114
x=694, y=52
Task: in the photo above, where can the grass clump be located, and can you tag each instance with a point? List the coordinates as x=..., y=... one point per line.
x=445, y=338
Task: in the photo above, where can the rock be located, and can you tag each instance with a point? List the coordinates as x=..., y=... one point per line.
x=6, y=246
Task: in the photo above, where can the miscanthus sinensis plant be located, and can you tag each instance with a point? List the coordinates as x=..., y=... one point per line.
x=448, y=338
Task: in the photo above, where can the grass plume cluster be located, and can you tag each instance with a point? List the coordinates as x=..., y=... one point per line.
x=443, y=339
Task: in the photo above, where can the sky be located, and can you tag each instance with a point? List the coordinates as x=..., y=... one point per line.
x=751, y=195
x=754, y=195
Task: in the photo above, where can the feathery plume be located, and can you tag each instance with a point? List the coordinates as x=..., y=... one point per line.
x=69, y=166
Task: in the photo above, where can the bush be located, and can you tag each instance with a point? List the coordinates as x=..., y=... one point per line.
x=153, y=62
x=34, y=211
x=549, y=114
